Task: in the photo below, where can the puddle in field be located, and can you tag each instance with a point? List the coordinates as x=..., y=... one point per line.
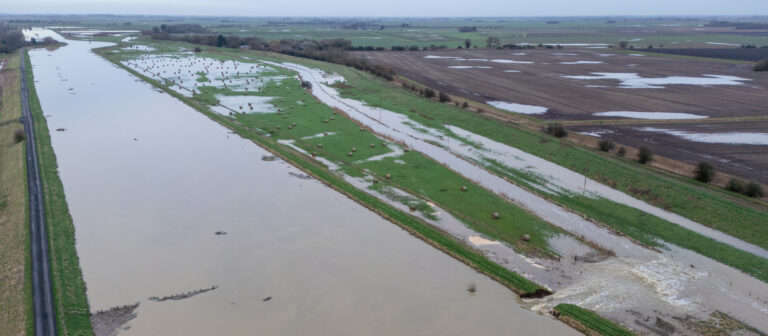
x=732, y=138
x=150, y=182
x=506, y=61
x=650, y=282
x=468, y=67
x=650, y=115
x=582, y=62
x=635, y=81
x=138, y=47
x=518, y=108
x=441, y=57
x=243, y=104
x=129, y=39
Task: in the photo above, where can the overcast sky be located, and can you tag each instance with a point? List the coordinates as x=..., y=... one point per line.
x=389, y=7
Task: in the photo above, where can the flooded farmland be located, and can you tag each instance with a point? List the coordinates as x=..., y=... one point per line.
x=165, y=202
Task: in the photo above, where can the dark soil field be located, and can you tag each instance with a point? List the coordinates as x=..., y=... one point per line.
x=541, y=83
x=746, y=161
x=739, y=54
x=730, y=108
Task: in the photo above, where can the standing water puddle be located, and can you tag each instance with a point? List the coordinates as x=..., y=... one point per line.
x=166, y=201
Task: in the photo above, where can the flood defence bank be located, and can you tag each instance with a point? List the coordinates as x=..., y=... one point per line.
x=673, y=293
x=148, y=209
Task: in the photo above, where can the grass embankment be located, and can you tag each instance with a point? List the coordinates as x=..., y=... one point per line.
x=16, y=314
x=72, y=312
x=310, y=116
x=715, y=208
x=588, y=322
x=731, y=214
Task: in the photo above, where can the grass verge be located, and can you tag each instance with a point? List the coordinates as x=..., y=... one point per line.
x=16, y=314
x=69, y=292
x=588, y=322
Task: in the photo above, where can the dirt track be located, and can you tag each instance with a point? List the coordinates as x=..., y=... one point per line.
x=541, y=84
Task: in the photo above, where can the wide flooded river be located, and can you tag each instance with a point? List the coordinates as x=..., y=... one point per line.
x=150, y=182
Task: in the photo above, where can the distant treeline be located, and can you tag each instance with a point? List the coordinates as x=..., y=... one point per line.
x=738, y=25
x=183, y=28
x=330, y=50
x=12, y=39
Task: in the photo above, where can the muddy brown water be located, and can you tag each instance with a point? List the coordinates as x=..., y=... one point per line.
x=149, y=181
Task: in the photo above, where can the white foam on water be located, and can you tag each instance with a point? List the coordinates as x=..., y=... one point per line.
x=511, y=70
x=518, y=108
x=733, y=138
x=650, y=115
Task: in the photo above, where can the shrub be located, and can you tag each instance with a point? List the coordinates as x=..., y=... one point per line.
x=645, y=155
x=606, y=145
x=704, y=172
x=762, y=65
x=429, y=93
x=19, y=135
x=197, y=49
x=444, y=97
x=752, y=189
x=556, y=130
x=735, y=185
x=465, y=105
x=306, y=85
x=621, y=152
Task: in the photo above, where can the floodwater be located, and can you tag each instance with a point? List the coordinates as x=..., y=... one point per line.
x=635, y=81
x=149, y=182
x=672, y=283
x=650, y=115
x=518, y=108
x=733, y=138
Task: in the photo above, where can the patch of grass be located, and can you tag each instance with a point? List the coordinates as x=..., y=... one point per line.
x=589, y=322
x=69, y=292
x=16, y=308
x=310, y=121
x=707, y=205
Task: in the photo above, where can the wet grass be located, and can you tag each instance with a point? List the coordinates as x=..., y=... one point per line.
x=310, y=120
x=706, y=205
x=589, y=322
x=646, y=228
x=69, y=291
x=16, y=314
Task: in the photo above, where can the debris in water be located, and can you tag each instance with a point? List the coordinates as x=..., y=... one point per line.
x=220, y=233
x=184, y=295
x=472, y=288
x=267, y=299
x=61, y=129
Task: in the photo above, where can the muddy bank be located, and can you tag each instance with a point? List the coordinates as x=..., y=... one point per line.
x=112, y=321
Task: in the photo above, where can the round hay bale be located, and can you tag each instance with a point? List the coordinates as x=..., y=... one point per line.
x=354, y=149
x=349, y=153
x=496, y=215
x=319, y=145
x=372, y=145
x=463, y=188
x=388, y=176
x=526, y=237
